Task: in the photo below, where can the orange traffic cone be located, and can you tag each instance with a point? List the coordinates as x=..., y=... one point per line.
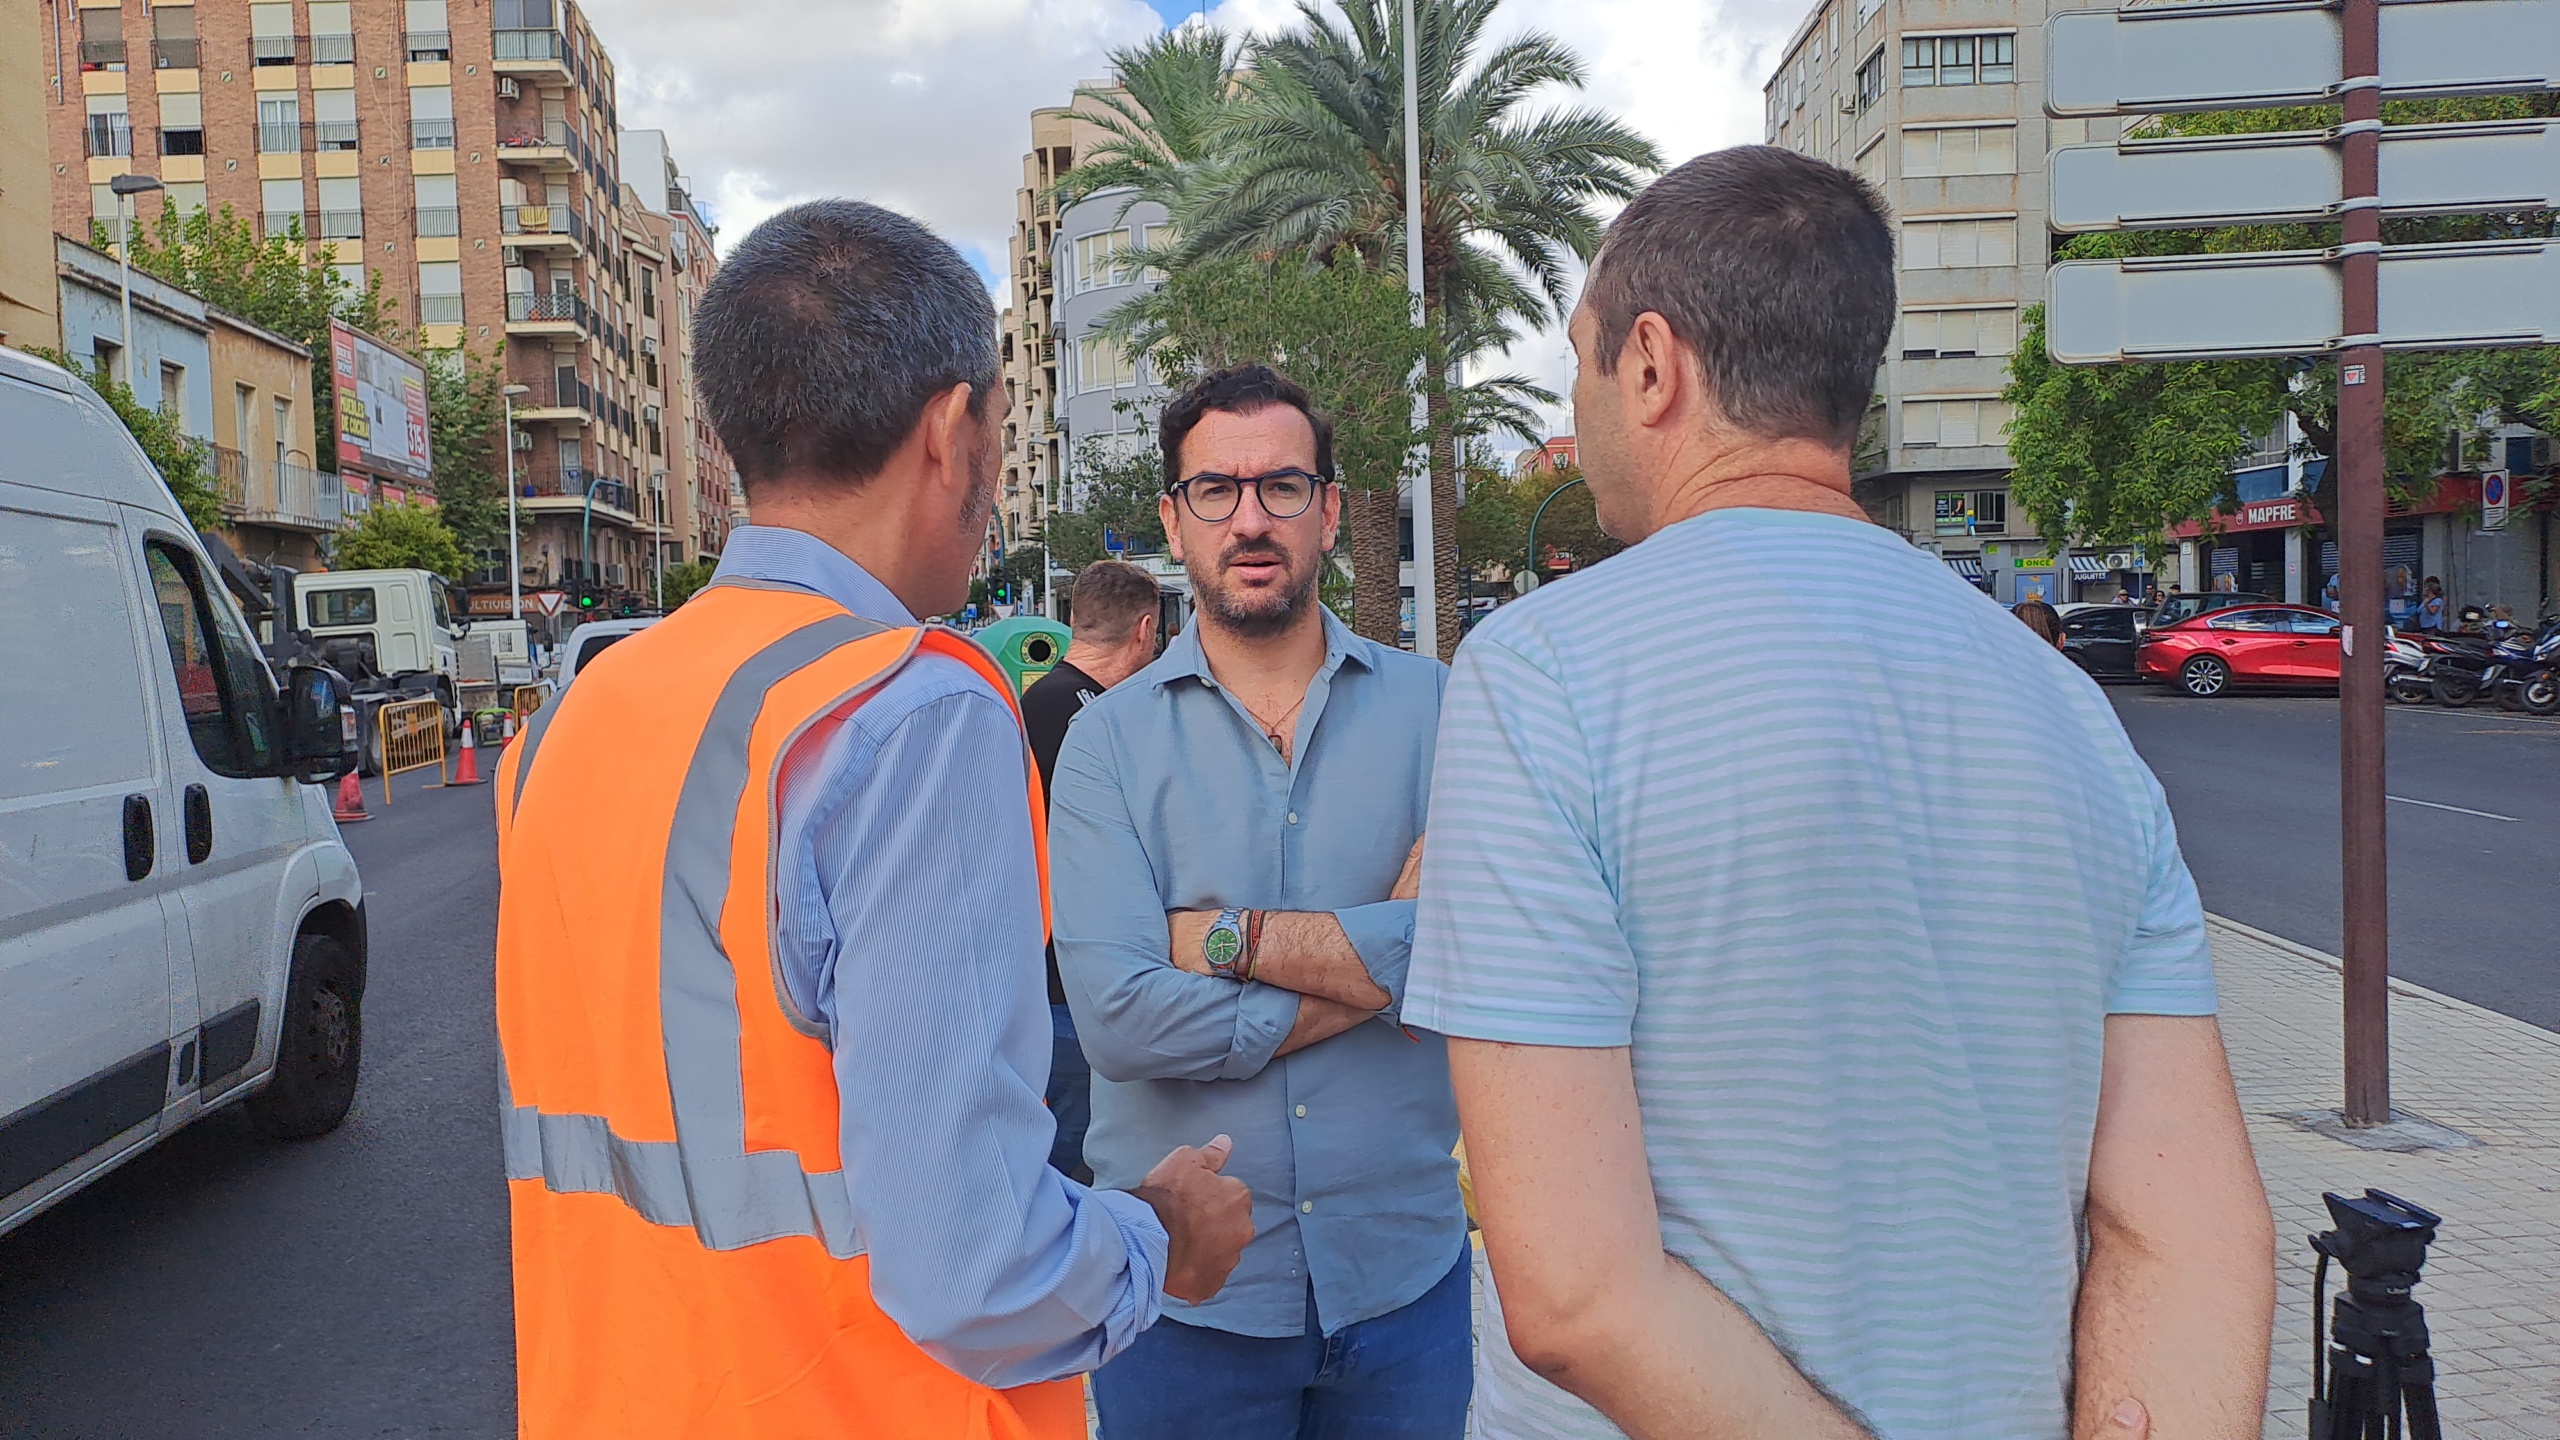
x=506, y=732
x=466, y=770
x=350, y=806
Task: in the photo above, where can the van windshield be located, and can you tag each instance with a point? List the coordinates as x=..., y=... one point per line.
x=341, y=607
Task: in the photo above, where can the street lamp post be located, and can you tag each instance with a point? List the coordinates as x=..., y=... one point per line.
x=1426, y=569
x=125, y=188
x=586, y=527
x=515, y=566
x=1534, y=518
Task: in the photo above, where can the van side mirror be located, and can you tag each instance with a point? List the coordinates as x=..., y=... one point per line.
x=319, y=724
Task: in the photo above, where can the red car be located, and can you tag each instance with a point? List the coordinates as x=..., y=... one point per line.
x=2259, y=645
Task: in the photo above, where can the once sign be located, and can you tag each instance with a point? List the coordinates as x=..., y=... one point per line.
x=2212, y=57
x=2286, y=302
x=2486, y=166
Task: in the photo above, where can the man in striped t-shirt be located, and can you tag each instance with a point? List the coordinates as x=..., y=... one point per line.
x=1819, y=967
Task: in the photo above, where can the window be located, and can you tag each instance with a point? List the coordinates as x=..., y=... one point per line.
x=649, y=296
x=1959, y=244
x=1102, y=365
x=101, y=39
x=1990, y=512
x=281, y=203
x=181, y=121
x=281, y=432
x=2256, y=622
x=271, y=37
x=64, y=580
x=1096, y=265
x=1956, y=422
x=341, y=208
x=333, y=40
x=185, y=196
x=280, y=125
x=1871, y=81
x=333, y=114
x=353, y=274
x=340, y=607
x=430, y=38
x=2301, y=623
x=439, y=206
x=440, y=291
x=222, y=688
x=1959, y=60
x=110, y=127
x=1959, y=150
x=173, y=392
x=173, y=38
x=1955, y=507
x=431, y=117
x=1953, y=333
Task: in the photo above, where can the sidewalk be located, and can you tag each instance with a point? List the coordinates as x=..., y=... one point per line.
x=2492, y=1282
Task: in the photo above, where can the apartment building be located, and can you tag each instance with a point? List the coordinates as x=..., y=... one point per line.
x=1035, y=441
x=1940, y=105
x=695, y=495
x=29, y=310
x=465, y=153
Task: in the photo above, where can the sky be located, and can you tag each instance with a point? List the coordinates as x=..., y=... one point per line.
x=924, y=105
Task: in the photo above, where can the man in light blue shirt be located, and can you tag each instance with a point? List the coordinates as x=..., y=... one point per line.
x=1230, y=840
x=1827, y=973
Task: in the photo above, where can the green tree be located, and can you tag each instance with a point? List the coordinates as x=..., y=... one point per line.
x=466, y=419
x=685, y=581
x=2113, y=454
x=1115, y=490
x=271, y=280
x=1163, y=118
x=397, y=535
x=1342, y=330
x=1313, y=159
x=183, y=461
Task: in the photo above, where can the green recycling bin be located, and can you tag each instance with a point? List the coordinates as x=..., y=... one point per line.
x=1027, y=646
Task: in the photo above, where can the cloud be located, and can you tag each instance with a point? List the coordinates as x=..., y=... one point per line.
x=924, y=105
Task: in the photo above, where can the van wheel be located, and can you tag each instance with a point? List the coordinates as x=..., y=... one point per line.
x=321, y=1049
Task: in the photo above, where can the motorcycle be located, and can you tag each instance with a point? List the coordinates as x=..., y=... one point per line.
x=2518, y=673
x=2405, y=661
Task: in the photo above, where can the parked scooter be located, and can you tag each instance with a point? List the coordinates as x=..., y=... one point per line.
x=2515, y=671
x=2405, y=664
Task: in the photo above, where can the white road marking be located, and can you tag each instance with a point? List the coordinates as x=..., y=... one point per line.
x=2456, y=809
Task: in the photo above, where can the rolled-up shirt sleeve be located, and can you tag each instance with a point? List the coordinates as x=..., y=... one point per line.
x=1137, y=1016
x=918, y=841
x=1382, y=935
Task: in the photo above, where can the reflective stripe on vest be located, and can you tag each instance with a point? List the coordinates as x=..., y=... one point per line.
x=706, y=1179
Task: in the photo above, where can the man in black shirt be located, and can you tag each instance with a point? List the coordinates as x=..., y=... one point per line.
x=1114, y=609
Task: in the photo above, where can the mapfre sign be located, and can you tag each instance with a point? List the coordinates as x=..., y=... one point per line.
x=2259, y=513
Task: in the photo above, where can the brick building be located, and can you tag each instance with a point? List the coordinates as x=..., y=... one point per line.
x=463, y=151
x=695, y=487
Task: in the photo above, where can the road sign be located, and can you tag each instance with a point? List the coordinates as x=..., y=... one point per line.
x=2493, y=499
x=2216, y=57
x=547, y=601
x=2286, y=302
x=2487, y=166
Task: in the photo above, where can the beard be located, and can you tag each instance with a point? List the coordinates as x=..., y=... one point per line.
x=1252, y=614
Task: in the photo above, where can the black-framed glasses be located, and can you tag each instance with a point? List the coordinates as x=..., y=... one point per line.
x=1284, y=494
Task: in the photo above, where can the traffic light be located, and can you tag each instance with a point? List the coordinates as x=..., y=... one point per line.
x=586, y=599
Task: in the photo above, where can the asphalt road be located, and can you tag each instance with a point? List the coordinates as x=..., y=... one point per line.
x=2474, y=827
x=353, y=1285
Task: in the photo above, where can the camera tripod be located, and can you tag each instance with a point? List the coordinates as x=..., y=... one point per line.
x=2377, y=1368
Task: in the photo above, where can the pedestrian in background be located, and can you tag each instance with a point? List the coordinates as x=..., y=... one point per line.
x=1806, y=1032
x=2042, y=619
x=2431, y=605
x=1113, y=605
x=768, y=976
x=1233, y=859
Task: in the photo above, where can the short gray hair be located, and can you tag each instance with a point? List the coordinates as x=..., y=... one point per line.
x=1110, y=597
x=826, y=332
x=1775, y=268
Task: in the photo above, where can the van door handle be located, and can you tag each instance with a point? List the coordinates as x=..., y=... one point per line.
x=199, y=808
x=139, y=840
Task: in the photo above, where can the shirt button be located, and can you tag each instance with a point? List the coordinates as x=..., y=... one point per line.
x=1293, y=817
x=1306, y=1207
x=1302, y=1112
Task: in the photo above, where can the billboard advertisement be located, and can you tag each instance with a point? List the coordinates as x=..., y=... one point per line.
x=382, y=407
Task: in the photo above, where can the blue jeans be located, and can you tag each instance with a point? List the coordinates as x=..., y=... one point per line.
x=1404, y=1375
x=1070, y=1097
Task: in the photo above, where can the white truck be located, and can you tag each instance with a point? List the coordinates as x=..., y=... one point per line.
x=181, y=928
x=393, y=633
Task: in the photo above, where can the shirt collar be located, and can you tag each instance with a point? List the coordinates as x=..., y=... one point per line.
x=777, y=555
x=1184, y=659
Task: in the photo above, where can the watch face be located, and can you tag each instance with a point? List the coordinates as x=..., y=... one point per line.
x=1222, y=945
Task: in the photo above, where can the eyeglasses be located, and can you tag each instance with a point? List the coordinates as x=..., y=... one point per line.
x=1284, y=494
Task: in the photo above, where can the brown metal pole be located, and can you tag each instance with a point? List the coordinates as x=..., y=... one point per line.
x=2365, y=868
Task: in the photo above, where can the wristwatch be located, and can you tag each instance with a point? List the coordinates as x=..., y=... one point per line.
x=1223, y=945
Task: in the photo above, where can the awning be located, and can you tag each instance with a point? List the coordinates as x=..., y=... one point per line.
x=2088, y=567
x=1968, y=566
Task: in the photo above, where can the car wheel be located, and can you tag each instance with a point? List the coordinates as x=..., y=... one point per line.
x=2540, y=694
x=2455, y=688
x=2204, y=677
x=322, y=1046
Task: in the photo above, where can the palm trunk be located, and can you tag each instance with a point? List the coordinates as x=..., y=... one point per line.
x=1377, y=602
x=1444, y=517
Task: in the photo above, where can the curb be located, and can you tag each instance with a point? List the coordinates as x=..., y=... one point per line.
x=2399, y=986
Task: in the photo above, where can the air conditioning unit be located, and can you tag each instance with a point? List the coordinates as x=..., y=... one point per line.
x=649, y=413
x=1848, y=104
x=507, y=88
x=648, y=344
x=524, y=440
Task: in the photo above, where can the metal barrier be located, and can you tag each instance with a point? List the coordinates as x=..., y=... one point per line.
x=529, y=698
x=412, y=737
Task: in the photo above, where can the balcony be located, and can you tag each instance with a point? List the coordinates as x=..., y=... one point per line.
x=340, y=225
x=333, y=134
x=333, y=49
x=568, y=491
x=283, y=137
x=110, y=135
x=547, y=315
x=259, y=491
x=431, y=134
x=439, y=309
x=175, y=54
x=425, y=45
x=571, y=401
x=529, y=52
x=102, y=54
x=279, y=49
x=539, y=226
x=554, y=147
x=438, y=221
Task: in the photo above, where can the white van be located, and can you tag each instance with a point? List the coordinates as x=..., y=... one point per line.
x=180, y=925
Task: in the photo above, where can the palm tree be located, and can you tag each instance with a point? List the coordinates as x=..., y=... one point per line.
x=1163, y=115
x=1311, y=158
